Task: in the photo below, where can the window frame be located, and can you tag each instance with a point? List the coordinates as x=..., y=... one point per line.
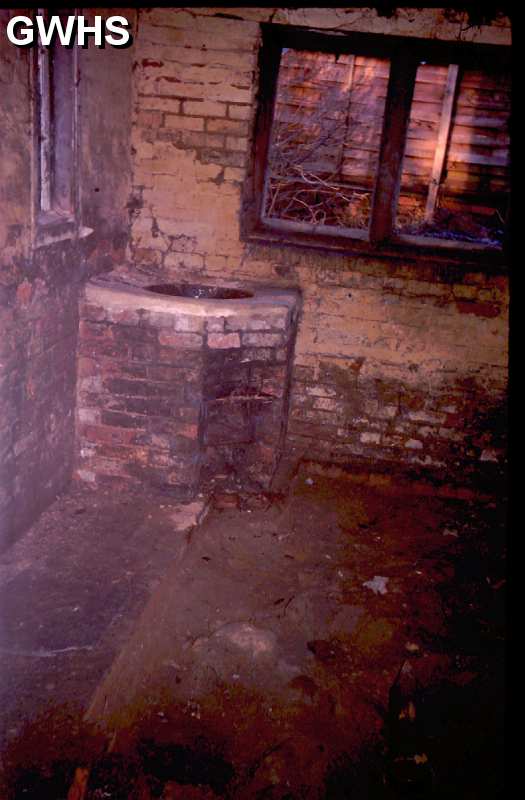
x=405, y=54
x=50, y=223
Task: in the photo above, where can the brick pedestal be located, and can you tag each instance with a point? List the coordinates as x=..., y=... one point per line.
x=176, y=392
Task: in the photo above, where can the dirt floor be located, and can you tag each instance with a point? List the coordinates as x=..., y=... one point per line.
x=342, y=641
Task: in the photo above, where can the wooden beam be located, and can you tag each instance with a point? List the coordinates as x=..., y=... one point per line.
x=403, y=68
x=445, y=125
x=254, y=190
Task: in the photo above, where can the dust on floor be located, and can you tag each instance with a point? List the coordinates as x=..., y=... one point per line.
x=71, y=590
x=267, y=663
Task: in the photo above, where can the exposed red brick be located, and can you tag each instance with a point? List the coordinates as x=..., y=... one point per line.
x=92, y=312
x=188, y=341
x=223, y=340
x=124, y=316
x=86, y=367
x=24, y=292
x=94, y=349
x=489, y=310
x=107, y=434
x=121, y=420
x=181, y=374
x=146, y=353
x=149, y=406
x=92, y=330
x=227, y=126
x=159, y=459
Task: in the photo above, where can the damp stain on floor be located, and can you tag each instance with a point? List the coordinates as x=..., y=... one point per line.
x=336, y=641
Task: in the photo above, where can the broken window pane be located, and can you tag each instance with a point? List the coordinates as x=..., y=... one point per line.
x=455, y=177
x=325, y=139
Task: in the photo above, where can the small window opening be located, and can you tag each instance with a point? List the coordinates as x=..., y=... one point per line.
x=56, y=129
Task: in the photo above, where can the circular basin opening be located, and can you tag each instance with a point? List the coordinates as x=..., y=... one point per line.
x=197, y=291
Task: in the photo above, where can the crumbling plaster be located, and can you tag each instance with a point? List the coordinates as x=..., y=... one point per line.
x=408, y=370
x=397, y=363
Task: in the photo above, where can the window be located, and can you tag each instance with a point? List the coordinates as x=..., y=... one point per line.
x=381, y=144
x=55, y=122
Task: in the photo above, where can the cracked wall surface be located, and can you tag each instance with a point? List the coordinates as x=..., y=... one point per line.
x=397, y=364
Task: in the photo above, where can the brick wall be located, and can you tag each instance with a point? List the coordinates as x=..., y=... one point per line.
x=410, y=370
x=396, y=364
x=39, y=287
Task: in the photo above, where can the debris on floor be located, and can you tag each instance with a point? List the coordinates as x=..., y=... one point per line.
x=268, y=663
x=377, y=584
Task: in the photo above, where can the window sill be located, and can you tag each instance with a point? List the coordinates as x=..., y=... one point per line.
x=467, y=255
x=52, y=228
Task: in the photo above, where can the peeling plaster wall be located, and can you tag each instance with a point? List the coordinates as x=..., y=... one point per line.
x=39, y=287
x=410, y=370
x=397, y=364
